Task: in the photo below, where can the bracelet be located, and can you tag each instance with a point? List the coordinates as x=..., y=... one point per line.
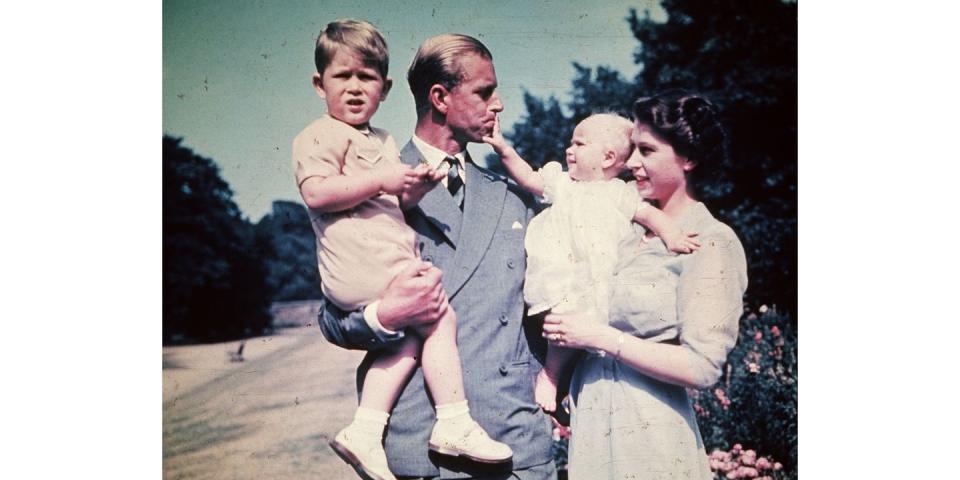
x=619, y=346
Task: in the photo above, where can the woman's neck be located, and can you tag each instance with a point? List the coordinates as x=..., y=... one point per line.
x=677, y=203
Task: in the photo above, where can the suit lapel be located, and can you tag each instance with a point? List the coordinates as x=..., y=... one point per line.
x=483, y=205
x=436, y=206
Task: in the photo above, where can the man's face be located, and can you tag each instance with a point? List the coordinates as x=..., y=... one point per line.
x=473, y=105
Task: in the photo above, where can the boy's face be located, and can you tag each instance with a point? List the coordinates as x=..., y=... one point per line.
x=353, y=90
x=585, y=155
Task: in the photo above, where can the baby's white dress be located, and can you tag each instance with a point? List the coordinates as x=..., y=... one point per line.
x=572, y=244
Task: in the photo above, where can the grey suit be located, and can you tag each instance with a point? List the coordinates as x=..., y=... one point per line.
x=481, y=254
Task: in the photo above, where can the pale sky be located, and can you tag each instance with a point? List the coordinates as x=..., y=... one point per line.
x=236, y=75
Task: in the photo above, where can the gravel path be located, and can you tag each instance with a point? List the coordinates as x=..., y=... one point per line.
x=269, y=416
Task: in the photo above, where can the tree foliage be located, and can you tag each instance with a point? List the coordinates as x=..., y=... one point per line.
x=292, y=264
x=213, y=275
x=742, y=55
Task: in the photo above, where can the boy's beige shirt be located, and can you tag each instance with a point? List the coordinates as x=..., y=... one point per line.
x=359, y=250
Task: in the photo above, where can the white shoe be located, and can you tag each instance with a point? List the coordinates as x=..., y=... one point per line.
x=475, y=444
x=364, y=452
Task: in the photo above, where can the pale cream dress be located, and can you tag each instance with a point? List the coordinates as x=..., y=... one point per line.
x=626, y=425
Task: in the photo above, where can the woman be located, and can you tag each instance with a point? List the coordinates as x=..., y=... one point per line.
x=673, y=319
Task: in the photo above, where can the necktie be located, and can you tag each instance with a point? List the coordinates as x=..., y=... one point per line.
x=454, y=181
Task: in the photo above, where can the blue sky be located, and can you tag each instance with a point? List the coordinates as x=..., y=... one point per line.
x=236, y=75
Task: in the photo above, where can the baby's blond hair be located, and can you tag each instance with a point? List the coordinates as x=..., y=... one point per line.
x=615, y=135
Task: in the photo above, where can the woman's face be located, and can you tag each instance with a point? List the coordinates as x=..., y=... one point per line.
x=659, y=171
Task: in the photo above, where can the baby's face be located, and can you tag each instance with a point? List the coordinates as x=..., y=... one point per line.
x=585, y=153
x=352, y=89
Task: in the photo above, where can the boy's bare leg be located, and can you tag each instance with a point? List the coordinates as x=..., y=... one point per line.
x=388, y=374
x=456, y=432
x=441, y=360
x=361, y=443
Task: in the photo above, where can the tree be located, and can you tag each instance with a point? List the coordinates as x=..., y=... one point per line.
x=292, y=264
x=743, y=55
x=213, y=275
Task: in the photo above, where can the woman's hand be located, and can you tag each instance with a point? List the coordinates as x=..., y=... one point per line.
x=575, y=330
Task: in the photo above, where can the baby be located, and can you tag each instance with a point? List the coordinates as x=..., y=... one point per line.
x=572, y=245
x=351, y=178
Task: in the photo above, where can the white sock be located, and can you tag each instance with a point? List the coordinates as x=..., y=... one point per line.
x=454, y=418
x=449, y=411
x=369, y=420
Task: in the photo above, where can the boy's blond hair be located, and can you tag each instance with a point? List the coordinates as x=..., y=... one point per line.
x=616, y=134
x=359, y=36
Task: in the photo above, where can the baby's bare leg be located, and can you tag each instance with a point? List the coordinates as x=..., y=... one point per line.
x=545, y=390
x=388, y=375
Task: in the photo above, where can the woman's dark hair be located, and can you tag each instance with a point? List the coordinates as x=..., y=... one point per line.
x=691, y=125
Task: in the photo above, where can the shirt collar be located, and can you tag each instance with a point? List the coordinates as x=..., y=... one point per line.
x=434, y=156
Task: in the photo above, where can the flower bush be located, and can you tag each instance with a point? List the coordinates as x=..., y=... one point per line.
x=754, y=404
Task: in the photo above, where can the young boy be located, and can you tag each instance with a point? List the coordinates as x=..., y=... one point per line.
x=351, y=178
x=572, y=245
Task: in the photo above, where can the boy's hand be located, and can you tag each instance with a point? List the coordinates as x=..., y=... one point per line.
x=685, y=243
x=496, y=139
x=425, y=179
x=395, y=179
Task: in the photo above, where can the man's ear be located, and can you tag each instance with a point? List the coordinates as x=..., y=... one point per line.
x=318, y=85
x=438, y=98
x=387, y=85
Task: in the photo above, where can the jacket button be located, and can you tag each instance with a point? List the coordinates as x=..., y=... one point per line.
x=503, y=320
x=503, y=369
x=428, y=258
x=511, y=265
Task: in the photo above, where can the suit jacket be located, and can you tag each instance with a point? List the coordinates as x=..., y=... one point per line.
x=481, y=254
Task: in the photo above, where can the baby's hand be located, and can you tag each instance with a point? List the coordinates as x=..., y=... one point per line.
x=685, y=243
x=545, y=392
x=496, y=139
x=395, y=179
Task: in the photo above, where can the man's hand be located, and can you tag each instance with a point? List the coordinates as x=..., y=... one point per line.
x=395, y=179
x=413, y=298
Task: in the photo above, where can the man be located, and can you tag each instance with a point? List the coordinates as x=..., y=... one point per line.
x=472, y=227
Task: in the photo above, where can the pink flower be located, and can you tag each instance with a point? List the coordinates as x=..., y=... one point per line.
x=746, y=472
x=763, y=463
x=758, y=337
x=733, y=474
x=777, y=466
x=736, y=447
x=749, y=457
x=754, y=368
x=775, y=331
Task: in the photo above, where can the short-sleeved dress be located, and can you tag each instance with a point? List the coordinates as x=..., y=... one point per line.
x=625, y=424
x=572, y=245
x=361, y=249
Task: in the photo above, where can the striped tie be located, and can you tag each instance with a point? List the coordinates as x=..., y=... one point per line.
x=454, y=181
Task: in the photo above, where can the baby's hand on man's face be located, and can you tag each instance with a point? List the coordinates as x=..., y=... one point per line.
x=496, y=139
